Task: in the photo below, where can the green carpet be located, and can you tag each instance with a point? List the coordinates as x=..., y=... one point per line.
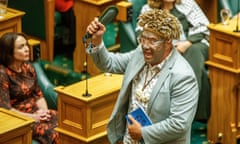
x=199, y=133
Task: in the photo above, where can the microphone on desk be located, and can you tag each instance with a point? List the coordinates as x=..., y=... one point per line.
x=105, y=18
x=237, y=30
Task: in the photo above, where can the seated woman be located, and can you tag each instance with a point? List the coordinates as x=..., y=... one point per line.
x=19, y=89
x=193, y=44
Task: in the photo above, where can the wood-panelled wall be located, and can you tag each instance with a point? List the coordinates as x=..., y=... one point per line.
x=210, y=9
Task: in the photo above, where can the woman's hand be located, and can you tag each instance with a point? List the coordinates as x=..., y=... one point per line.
x=42, y=115
x=182, y=46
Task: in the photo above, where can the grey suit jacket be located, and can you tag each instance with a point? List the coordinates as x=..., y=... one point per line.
x=172, y=104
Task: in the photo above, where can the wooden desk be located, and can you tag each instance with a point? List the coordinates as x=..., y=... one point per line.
x=85, y=11
x=83, y=119
x=14, y=128
x=12, y=22
x=224, y=73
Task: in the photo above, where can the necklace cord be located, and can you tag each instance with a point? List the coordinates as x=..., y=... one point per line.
x=146, y=83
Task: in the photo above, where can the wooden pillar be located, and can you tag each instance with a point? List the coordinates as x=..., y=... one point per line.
x=210, y=8
x=83, y=119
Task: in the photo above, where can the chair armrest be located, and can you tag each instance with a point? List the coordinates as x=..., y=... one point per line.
x=46, y=86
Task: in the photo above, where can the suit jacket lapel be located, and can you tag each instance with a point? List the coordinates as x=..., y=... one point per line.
x=137, y=66
x=164, y=74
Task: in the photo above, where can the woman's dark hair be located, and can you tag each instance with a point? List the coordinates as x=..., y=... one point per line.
x=7, y=44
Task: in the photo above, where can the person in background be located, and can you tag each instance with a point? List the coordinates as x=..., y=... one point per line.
x=193, y=45
x=63, y=5
x=19, y=89
x=156, y=78
x=67, y=42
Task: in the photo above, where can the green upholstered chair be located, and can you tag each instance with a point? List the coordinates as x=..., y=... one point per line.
x=127, y=33
x=46, y=86
x=60, y=72
x=33, y=22
x=232, y=5
x=39, y=22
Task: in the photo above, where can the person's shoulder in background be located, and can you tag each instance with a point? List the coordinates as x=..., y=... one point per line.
x=63, y=5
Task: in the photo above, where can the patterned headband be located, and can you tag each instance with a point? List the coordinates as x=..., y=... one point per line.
x=161, y=23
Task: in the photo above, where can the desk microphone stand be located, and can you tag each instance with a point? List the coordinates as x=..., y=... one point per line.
x=237, y=29
x=87, y=45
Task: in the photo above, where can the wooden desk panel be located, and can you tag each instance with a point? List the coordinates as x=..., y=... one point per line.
x=84, y=119
x=12, y=22
x=14, y=128
x=224, y=45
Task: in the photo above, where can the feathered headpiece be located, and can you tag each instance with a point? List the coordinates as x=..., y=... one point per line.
x=160, y=22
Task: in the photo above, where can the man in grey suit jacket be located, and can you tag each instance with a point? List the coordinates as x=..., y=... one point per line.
x=156, y=78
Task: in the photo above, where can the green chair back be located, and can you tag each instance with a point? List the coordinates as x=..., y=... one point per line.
x=232, y=5
x=33, y=22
